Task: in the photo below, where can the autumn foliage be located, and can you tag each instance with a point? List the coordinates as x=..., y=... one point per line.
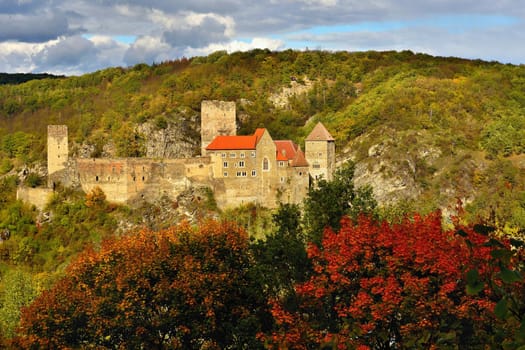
x=381, y=286
x=371, y=285
x=181, y=288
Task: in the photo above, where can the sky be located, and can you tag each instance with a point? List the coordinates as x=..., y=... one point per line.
x=73, y=37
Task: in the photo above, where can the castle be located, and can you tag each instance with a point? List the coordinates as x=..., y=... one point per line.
x=238, y=169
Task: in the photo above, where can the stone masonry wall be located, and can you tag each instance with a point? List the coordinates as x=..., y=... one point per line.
x=217, y=118
x=57, y=153
x=131, y=179
x=321, y=157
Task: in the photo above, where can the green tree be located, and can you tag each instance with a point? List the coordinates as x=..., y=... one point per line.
x=328, y=201
x=281, y=255
x=18, y=291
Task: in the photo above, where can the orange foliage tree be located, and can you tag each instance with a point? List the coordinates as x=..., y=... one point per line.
x=180, y=288
x=409, y=285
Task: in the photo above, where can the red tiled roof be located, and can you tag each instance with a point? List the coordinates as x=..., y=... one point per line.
x=232, y=143
x=286, y=149
x=299, y=160
x=259, y=133
x=236, y=142
x=319, y=133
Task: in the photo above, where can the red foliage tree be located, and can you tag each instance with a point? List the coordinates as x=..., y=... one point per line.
x=398, y=286
x=180, y=288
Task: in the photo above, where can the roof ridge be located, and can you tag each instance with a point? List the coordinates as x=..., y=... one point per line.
x=299, y=159
x=319, y=133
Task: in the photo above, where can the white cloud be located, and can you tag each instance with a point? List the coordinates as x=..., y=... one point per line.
x=17, y=57
x=147, y=49
x=44, y=35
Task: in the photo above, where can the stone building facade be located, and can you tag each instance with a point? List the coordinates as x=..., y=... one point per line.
x=238, y=169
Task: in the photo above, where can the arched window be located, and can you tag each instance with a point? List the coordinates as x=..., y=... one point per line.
x=266, y=164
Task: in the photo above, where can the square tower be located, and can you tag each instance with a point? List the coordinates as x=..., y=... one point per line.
x=320, y=153
x=217, y=119
x=57, y=153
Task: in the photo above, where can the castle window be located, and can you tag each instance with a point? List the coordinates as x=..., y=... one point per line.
x=224, y=164
x=233, y=155
x=242, y=155
x=300, y=173
x=254, y=173
x=253, y=154
x=225, y=174
x=241, y=174
x=266, y=164
x=282, y=179
x=96, y=178
x=223, y=155
x=316, y=166
x=143, y=178
x=241, y=164
x=320, y=154
x=281, y=163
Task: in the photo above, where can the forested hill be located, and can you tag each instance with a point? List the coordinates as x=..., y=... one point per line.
x=19, y=78
x=424, y=131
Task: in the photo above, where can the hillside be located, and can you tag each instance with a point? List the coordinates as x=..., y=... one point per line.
x=425, y=131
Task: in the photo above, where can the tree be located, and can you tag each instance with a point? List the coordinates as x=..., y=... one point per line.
x=329, y=201
x=281, y=256
x=392, y=287
x=19, y=290
x=505, y=280
x=183, y=288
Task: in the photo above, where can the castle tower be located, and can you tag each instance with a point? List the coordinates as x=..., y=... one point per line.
x=57, y=153
x=320, y=153
x=217, y=118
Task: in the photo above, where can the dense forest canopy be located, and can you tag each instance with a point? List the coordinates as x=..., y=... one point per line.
x=19, y=78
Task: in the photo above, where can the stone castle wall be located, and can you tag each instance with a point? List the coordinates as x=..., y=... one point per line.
x=236, y=177
x=39, y=197
x=321, y=156
x=217, y=118
x=131, y=179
